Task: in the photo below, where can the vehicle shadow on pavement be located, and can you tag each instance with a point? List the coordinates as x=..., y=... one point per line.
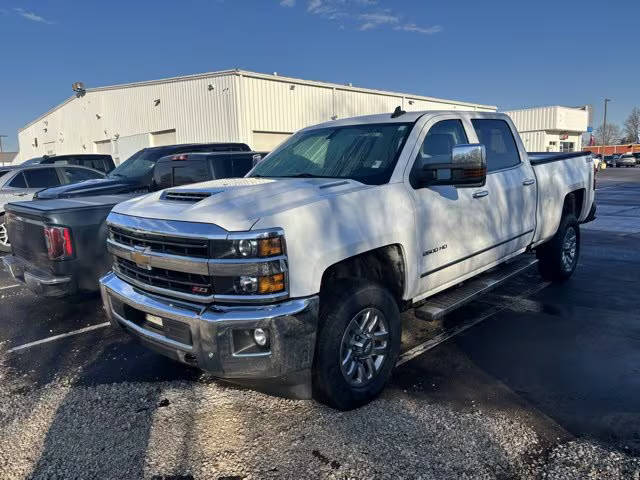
x=567, y=355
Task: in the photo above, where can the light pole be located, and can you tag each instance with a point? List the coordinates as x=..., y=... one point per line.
x=1, y=137
x=604, y=123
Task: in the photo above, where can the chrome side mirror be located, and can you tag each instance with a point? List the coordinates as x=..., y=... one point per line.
x=467, y=168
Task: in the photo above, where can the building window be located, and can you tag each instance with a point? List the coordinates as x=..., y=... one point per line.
x=553, y=143
x=567, y=146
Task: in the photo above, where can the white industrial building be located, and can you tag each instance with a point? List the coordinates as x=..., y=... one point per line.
x=228, y=106
x=551, y=129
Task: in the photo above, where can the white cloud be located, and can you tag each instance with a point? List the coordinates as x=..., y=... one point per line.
x=315, y=6
x=373, y=20
x=412, y=27
x=363, y=15
x=32, y=16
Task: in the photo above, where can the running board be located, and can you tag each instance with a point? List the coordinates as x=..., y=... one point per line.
x=453, y=298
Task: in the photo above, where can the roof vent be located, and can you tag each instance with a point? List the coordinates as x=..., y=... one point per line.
x=192, y=197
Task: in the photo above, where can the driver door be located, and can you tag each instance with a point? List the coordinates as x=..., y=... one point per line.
x=450, y=230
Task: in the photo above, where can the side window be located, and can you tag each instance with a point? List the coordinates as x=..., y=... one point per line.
x=442, y=137
x=497, y=138
x=42, y=178
x=74, y=175
x=18, y=181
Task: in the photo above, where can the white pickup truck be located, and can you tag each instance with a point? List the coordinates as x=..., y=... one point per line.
x=293, y=278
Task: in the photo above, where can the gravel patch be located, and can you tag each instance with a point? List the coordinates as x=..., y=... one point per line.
x=208, y=430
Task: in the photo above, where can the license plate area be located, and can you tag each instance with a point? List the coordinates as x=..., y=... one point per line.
x=168, y=327
x=154, y=320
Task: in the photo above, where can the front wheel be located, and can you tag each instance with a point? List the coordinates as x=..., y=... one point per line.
x=358, y=343
x=5, y=246
x=558, y=258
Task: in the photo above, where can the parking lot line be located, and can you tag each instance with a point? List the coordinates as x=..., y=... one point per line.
x=444, y=336
x=10, y=286
x=57, y=337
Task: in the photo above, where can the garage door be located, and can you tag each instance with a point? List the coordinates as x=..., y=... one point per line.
x=267, y=141
x=49, y=148
x=165, y=137
x=124, y=147
x=102, y=146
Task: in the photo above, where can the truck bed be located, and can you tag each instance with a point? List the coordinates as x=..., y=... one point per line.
x=557, y=174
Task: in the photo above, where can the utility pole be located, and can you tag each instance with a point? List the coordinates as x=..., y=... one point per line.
x=1, y=137
x=604, y=123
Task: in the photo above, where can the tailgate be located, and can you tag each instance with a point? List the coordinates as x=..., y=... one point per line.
x=84, y=216
x=26, y=234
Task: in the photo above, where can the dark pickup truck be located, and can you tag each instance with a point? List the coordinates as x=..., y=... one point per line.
x=59, y=244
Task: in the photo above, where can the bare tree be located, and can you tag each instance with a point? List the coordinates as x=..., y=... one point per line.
x=611, y=136
x=632, y=126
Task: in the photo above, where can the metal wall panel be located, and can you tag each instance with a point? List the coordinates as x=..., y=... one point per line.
x=550, y=118
x=218, y=106
x=200, y=110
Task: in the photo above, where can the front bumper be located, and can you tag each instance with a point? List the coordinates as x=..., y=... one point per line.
x=204, y=336
x=37, y=280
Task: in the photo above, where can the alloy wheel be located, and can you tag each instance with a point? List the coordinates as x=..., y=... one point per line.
x=365, y=347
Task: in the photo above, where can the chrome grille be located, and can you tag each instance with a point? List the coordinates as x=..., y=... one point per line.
x=190, y=283
x=190, y=247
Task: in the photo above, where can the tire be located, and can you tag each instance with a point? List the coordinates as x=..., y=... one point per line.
x=340, y=349
x=558, y=258
x=5, y=246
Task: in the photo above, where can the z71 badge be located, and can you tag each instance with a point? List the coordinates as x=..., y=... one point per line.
x=434, y=250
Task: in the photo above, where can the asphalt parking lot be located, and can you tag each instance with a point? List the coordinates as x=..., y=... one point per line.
x=531, y=381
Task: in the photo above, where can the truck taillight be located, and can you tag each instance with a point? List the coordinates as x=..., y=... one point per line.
x=58, y=240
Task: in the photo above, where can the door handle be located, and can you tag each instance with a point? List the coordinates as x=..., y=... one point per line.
x=528, y=181
x=480, y=194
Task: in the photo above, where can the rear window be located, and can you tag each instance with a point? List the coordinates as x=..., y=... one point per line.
x=42, y=178
x=232, y=167
x=180, y=172
x=190, y=172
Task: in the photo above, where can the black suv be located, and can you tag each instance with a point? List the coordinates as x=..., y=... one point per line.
x=136, y=173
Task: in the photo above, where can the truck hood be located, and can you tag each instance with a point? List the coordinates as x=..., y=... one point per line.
x=236, y=204
x=98, y=186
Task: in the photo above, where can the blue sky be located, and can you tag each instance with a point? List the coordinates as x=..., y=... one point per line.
x=507, y=53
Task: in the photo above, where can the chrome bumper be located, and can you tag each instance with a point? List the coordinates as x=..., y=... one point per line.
x=38, y=281
x=203, y=336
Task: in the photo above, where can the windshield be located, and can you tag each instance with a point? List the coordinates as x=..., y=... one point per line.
x=137, y=165
x=366, y=153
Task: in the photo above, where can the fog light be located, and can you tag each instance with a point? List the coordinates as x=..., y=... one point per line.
x=247, y=285
x=261, y=337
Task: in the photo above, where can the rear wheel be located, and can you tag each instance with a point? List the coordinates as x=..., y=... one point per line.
x=558, y=258
x=358, y=343
x=5, y=246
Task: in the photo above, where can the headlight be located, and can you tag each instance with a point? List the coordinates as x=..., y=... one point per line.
x=250, y=264
x=270, y=244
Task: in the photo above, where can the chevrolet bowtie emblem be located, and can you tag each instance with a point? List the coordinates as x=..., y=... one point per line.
x=142, y=257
